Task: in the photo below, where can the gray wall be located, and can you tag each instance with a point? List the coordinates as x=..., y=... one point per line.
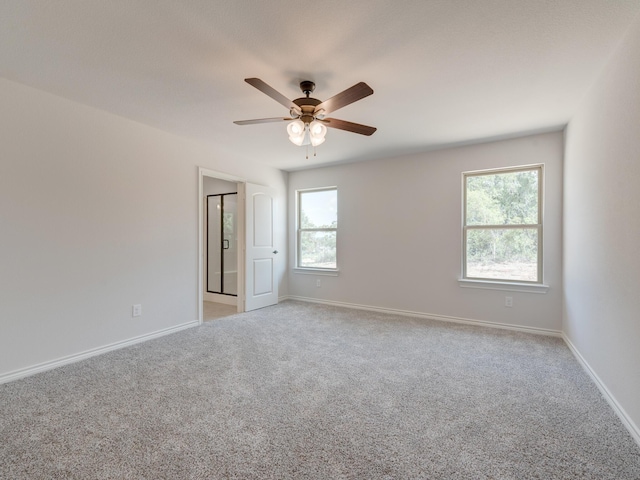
x=602, y=228
x=399, y=233
x=97, y=213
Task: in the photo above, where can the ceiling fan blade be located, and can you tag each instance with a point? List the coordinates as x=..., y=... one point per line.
x=349, y=126
x=263, y=120
x=272, y=92
x=342, y=99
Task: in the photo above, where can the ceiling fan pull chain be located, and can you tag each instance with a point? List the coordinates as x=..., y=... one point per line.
x=307, y=152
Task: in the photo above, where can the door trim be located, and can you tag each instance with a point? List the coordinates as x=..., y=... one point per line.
x=205, y=172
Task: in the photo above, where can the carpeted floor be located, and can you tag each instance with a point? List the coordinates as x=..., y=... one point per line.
x=308, y=391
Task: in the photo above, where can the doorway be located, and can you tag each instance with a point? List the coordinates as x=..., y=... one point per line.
x=256, y=252
x=221, y=266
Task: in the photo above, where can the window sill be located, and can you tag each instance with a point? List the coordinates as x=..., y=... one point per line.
x=506, y=286
x=331, y=272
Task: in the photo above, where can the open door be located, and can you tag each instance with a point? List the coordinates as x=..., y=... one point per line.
x=261, y=288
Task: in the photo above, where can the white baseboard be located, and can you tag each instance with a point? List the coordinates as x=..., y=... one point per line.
x=608, y=396
x=432, y=316
x=41, y=367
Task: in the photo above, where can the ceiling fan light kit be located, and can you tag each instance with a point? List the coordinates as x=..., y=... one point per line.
x=317, y=132
x=297, y=132
x=307, y=122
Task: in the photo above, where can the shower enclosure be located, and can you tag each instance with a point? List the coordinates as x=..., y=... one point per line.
x=222, y=258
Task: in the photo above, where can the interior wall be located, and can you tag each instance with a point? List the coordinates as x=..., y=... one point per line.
x=602, y=228
x=399, y=233
x=213, y=186
x=98, y=213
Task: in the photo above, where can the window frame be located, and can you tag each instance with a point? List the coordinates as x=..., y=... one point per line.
x=300, y=230
x=539, y=227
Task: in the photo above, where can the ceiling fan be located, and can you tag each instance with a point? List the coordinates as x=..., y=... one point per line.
x=308, y=122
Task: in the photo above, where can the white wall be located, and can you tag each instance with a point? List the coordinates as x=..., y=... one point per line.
x=213, y=186
x=97, y=213
x=399, y=233
x=602, y=228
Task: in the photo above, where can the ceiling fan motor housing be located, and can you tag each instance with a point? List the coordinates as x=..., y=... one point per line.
x=307, y=106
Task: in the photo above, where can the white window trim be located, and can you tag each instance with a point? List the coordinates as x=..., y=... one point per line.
x=329, y=272
x=313, y=270
x=505, y=284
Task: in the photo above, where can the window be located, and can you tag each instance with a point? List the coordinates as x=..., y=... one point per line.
x=502, y=225
x=317, y=228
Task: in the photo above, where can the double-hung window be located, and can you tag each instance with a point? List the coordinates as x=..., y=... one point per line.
x=502, y=225
x=317, y=221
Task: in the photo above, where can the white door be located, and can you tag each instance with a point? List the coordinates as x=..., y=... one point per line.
x=261, y=289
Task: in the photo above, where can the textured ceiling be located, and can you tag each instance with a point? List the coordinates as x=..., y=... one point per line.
x=444, y=72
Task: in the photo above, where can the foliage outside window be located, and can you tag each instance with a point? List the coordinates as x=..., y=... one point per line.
x=317, y=228
x=502, y=225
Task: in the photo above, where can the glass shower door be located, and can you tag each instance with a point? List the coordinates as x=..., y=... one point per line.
x=222, y=258
x=229, y=244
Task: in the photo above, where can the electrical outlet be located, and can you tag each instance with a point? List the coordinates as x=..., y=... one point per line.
x=508, y=301
x=318, y=283
x=136, y=310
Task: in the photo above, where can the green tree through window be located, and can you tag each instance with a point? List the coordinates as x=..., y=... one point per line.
x=502, y=225
x=317, y=228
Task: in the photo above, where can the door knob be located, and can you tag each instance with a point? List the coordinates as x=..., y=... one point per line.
x=275, y=251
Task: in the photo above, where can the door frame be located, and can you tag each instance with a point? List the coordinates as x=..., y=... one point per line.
x=205, y=172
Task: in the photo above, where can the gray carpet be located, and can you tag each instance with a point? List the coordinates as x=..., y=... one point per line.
x=308, y=391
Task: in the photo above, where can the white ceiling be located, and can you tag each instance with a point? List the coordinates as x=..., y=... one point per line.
x=444, y=72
